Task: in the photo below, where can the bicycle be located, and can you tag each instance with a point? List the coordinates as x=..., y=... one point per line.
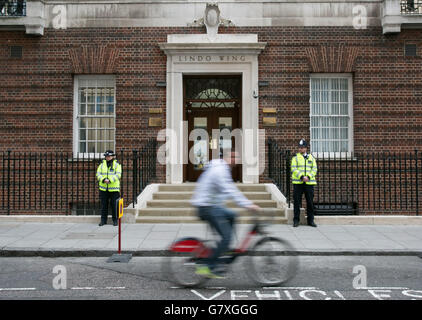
x=270, y=261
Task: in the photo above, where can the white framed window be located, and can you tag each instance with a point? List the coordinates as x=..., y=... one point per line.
x=94, y=115
x=331, y=115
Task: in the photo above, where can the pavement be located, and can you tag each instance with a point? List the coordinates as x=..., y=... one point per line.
x=142, y=239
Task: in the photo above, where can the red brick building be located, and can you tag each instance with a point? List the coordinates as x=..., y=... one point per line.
x=84, y=77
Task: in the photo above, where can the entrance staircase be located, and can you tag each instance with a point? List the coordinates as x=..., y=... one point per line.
x=169, y=203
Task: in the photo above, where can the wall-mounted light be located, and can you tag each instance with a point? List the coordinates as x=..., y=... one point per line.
x=161, y=84
x=255, y=94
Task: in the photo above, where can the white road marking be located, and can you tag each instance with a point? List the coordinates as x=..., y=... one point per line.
x=289, y=288
x=74, y=288
x=17, y=289
x=382, y=288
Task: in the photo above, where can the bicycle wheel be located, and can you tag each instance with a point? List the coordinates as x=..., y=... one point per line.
x=271, y=261
x=183, y=257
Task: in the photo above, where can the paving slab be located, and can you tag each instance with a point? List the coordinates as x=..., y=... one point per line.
x=35, y=238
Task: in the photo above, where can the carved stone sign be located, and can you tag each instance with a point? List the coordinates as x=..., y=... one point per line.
x=211, y=58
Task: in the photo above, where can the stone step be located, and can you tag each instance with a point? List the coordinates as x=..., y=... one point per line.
x=188, y=195
x=186, y=204
x=267, y=212
x=193, y=219
x=189, y=187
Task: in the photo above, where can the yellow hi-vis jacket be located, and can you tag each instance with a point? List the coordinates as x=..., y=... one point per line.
x=113, y=173
x=301, y=167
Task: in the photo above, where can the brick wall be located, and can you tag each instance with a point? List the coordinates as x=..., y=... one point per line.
x=36, y=92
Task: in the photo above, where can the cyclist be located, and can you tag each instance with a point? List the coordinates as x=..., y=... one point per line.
x=213, y=188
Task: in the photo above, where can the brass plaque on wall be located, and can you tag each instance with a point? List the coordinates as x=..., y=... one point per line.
x=155, y=122
x=155, y=110
x=269, y=121
x=269, y=110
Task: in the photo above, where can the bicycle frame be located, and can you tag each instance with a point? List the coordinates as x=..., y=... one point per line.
x=202, y=251
x=244, y=245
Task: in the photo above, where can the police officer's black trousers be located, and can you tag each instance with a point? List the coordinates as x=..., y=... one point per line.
x=298, y=191
x=106, y=197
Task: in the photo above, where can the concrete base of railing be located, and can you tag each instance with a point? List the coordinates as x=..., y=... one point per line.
x=356, y=220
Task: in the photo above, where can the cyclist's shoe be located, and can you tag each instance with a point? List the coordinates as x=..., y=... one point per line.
x=206, y=272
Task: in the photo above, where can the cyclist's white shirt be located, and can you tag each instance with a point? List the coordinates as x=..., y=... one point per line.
x=215, y=185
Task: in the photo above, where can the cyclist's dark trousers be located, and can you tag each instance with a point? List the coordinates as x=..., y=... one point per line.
x=298, y=191
x=222, y=220
x=105, y=198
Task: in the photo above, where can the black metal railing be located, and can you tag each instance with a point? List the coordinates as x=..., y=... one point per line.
x=364, y=183
x=411, y=6
x=65, y=183
x=12, y=8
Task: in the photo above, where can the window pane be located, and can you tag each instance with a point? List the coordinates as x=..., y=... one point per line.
x=314, y=133
x=82, y=134
x=82, y=123
x=324, y=96
x=334, y=122
x=344, y=96
x=110, y=145
x=334, y=84
x=82, y=109
x=110, y=134
x=334, y=96
x=344, y=108
x=91, y=135
x=101, y=135
x=82, y=96
x=110, y=109
x=91, y=147
x=344, y=146
x=316, y=96
x=110, y=95
x=100, y=96
x=325, y=84
x=91, y=109
x=315, y=84
x=344, y=121
x=100, y=109
x=326, y=146
x=344, y=133
x=344, y=84
x=90, y=94
x=101, y=147
x=82, y=147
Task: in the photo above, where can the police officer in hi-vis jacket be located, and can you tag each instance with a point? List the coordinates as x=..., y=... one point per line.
x=109, y=173
x=304, y=170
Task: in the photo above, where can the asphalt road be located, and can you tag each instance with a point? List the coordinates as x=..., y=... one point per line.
x=318, y=278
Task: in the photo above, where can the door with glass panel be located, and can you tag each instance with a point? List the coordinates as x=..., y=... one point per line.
x=212, y=110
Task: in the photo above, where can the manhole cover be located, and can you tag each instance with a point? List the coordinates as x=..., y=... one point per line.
x=89, y=236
